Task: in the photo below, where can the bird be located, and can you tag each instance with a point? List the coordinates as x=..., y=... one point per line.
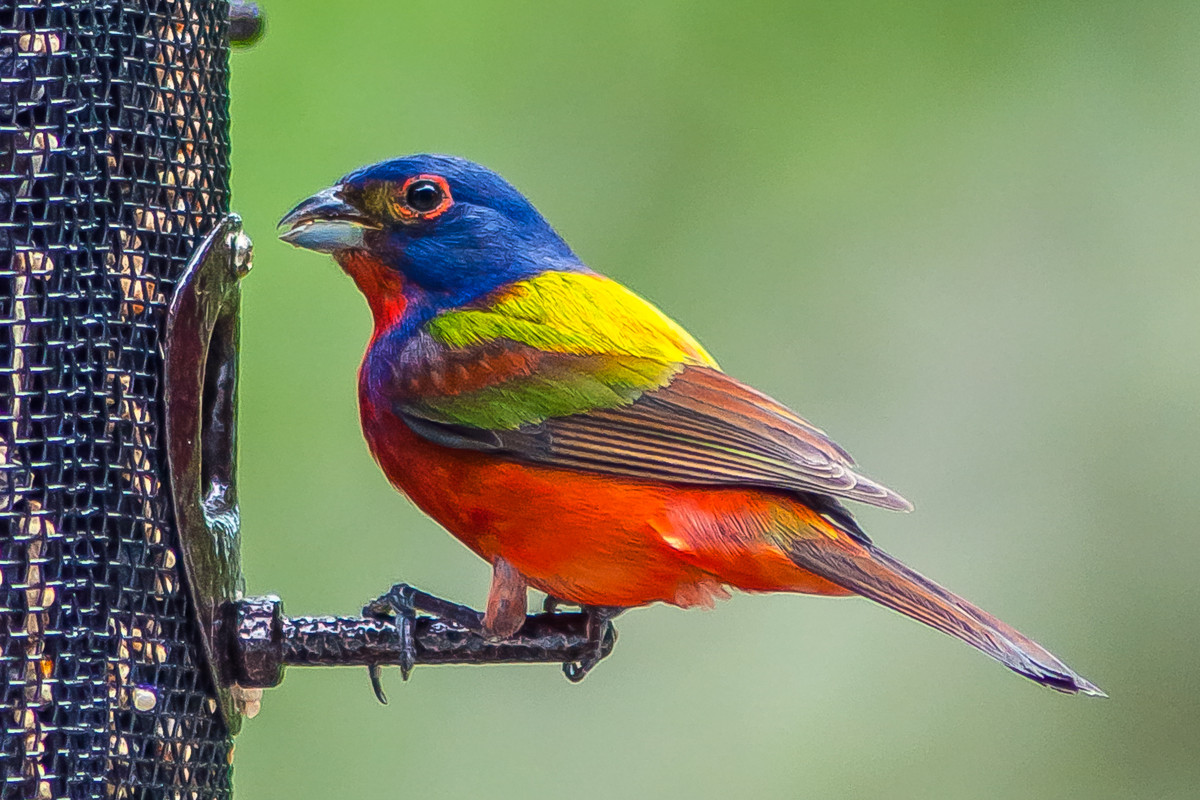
x=582, y=442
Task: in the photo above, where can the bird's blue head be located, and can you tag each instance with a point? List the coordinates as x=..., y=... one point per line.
x=449, y=229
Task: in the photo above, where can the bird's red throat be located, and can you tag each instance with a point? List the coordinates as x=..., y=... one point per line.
x=380, y=284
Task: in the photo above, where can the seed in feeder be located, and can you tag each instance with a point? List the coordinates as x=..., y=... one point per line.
x=144, y=699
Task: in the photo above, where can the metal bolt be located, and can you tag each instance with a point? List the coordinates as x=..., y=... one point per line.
x=242, y=249
x=246, y=23
x=258, y=641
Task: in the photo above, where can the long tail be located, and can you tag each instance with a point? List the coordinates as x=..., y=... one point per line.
x=872, y=573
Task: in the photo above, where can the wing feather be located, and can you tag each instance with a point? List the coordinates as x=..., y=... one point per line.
x=521, y=378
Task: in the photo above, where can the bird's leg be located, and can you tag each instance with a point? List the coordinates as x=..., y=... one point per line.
x=599, y=630
x=402, y=603
x=507, y=601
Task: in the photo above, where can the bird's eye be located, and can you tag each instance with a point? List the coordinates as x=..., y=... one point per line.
x=423, y=196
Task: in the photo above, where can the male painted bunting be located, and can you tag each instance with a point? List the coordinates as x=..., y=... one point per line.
x=579, y=440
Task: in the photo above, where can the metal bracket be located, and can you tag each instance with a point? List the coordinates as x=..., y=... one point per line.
x=200, y=351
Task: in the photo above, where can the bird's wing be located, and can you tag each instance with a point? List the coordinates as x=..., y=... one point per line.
x=573, y=370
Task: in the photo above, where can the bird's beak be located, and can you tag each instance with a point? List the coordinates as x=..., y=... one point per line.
x=325, y=223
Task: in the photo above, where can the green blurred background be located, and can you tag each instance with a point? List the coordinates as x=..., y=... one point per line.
x=962, y=237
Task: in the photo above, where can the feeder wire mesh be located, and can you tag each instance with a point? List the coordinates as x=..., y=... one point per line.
x=114, y=164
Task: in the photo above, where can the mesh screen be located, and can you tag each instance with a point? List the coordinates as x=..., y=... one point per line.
x=113, y=165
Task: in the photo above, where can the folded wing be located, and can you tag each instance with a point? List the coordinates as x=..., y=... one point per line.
x=640, y=400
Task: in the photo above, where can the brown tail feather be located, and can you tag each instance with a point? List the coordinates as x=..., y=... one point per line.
x=874, y=574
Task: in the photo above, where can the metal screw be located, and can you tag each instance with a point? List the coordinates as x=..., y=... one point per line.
x=242, y=249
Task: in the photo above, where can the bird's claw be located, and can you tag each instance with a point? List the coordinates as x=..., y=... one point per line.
x=402, y=603
x=575, y=671
x=375, y=673
x=600, y=635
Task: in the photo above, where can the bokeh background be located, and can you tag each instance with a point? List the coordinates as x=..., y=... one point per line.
x=962, y=237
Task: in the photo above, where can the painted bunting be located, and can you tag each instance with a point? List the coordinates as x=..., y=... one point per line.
x=579, y=440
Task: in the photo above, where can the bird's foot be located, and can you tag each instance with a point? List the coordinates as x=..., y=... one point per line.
x=601, y=635
x=402, y=603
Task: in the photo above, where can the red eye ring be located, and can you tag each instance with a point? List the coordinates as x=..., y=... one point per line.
x=422, y=197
